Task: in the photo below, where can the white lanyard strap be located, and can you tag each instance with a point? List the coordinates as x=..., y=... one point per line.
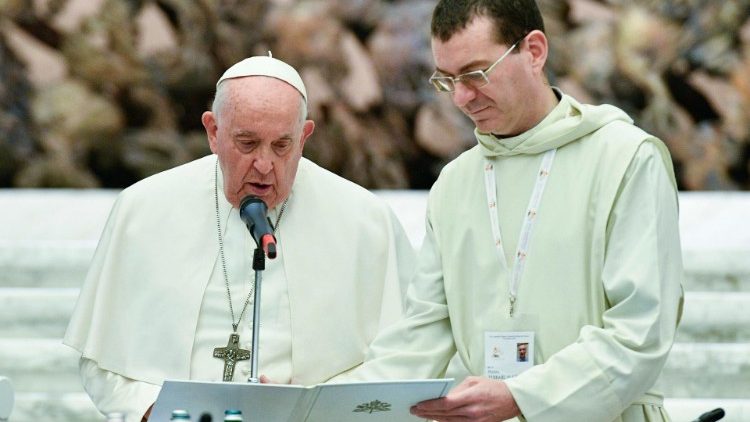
x=489, y=185
x=524, y=240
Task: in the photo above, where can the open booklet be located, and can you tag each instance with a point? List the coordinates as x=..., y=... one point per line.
x=365, y=401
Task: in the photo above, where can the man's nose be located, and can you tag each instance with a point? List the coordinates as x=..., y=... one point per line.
x=263, y=163
x=463, y=94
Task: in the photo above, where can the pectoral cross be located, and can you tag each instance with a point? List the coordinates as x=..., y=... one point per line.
x=231, y=354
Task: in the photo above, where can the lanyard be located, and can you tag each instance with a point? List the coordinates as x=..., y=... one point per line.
x=524, y=240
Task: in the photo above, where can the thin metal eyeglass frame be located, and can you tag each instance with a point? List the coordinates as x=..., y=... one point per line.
x=460, y=78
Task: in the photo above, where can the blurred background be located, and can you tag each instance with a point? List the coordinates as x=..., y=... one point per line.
x=98, y=94
x=102, y=93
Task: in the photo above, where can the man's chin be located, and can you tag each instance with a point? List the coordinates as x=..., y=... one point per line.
x=484, y=126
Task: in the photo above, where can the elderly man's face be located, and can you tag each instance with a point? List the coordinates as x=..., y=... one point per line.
x=258, y=134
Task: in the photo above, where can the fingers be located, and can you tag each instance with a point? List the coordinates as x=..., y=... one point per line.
x=476, y=399
x=444, y=409
x=444, y=404
x=474, y=413
x=459, y=396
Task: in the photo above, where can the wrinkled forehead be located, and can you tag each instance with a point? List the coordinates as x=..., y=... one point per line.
x=261, y=86
x=262, y=105
x=263, y=93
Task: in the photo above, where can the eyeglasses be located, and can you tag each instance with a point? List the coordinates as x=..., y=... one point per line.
x=474, y=79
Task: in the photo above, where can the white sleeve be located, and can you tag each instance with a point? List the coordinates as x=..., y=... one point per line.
x=112, y=392
x=421, y=344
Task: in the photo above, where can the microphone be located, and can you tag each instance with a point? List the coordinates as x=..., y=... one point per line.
x=711, y=416
x=253, y=212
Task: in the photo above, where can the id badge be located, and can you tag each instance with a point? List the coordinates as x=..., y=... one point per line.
x=509, y=348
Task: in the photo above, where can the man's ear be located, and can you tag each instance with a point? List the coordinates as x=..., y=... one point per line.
x=307, y=130
x=209, y=123
x=537, y=45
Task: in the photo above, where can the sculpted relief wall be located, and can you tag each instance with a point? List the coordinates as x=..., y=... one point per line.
x=101, y=93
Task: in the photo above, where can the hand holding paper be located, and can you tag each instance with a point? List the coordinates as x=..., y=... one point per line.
x=477, y=399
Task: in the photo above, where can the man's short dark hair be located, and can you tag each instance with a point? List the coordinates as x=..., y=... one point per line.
x=513, y=19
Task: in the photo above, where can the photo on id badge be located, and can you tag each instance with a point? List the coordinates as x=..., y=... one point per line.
x=508, y=353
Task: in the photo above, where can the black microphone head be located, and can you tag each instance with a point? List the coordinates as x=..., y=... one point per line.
x=713, y=415
x=254, y=201
x=253, y=213
x=252, y=210
x=205, y=417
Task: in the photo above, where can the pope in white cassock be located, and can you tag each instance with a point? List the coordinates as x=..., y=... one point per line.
x=171, y=282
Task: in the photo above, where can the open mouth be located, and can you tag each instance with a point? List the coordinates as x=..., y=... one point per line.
x=260, y=188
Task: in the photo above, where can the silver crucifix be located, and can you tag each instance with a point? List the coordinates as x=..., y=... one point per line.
x=231, y=354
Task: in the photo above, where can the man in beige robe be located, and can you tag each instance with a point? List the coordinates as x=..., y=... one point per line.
x=173, y=269
x=558, y=231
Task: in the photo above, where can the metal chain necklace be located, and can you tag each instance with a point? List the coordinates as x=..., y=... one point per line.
x=232, y=352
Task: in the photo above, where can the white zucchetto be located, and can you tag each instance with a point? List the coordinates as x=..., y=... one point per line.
x=265, y=66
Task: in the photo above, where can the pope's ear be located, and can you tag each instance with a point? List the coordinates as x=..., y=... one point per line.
x=307, y=130
x=209, y=123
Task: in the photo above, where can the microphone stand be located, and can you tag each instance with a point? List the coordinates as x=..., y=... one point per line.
x=259, y=264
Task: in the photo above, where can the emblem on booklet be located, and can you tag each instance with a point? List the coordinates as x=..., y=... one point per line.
x=373, y=406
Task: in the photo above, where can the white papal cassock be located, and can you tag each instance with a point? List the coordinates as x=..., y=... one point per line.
x=154, y=303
